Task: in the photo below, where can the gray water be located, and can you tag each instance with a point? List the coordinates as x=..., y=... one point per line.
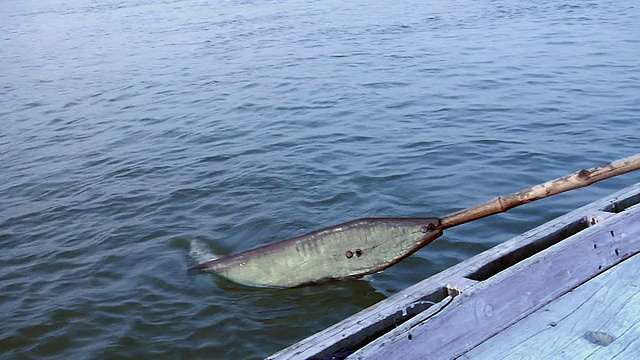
x=131, y=128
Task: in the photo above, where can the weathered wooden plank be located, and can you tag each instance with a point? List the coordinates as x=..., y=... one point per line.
x=598, y=216
x=495, y=304
x=607, y=305
x=361, y=328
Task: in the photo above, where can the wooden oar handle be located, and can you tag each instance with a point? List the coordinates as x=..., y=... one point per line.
x=576, y=180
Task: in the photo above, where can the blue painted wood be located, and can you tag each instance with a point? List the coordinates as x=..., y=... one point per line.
x=599, y=320
x=491, y=306
x=409, y=307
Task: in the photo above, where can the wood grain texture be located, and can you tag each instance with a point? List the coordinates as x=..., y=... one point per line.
x=365, y=326
x=493, y=305
x=607, y=304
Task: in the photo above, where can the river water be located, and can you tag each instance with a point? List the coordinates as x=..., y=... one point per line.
x=131, y=128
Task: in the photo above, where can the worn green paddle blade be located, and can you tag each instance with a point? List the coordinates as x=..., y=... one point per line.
x=349, y=250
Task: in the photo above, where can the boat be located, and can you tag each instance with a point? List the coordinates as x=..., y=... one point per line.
x=568, y=288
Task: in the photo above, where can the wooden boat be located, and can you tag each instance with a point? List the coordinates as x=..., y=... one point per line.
x=568, y=288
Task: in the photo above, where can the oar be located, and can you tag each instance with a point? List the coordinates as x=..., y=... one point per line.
x=366, y=246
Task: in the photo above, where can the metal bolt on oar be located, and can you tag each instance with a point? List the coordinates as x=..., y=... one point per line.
x=366, y=246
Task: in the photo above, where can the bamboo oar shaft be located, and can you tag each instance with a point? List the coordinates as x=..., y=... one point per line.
x=576, y=180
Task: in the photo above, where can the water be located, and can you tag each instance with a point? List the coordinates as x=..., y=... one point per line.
x=132, y=128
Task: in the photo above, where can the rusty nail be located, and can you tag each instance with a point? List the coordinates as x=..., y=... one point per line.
x=425, y=229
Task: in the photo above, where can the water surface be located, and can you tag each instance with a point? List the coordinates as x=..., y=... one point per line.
x=131, y=128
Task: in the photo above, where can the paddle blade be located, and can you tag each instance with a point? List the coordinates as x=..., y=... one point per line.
x=349, y=250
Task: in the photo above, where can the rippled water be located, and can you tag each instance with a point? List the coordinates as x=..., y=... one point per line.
x=131, y=128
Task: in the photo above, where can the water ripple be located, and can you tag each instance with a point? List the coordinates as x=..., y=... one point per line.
x=133, y=130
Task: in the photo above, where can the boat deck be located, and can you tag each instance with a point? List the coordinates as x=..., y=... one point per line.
x=600, y=319
x=566, y=289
